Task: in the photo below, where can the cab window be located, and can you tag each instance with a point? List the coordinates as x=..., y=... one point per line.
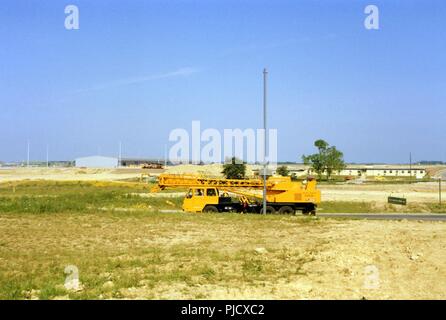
x=189, y=194
x=198, y=192
x=211, y=192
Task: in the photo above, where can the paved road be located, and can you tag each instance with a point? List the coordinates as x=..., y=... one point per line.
x=371, y=216
x=386, y=216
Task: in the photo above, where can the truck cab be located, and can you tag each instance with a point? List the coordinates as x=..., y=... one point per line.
x=198, y=198
x=203, y=199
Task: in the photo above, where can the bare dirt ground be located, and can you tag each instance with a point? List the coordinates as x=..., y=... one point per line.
x=349, y=260
x=415, y=192
x=212, y=170
x=67, y=174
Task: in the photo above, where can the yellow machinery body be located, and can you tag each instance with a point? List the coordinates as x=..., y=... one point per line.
x=212, y=194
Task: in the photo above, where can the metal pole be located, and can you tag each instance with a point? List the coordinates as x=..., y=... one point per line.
x=47, y=157
x=410, y=166
x=265, y=75
x=120, y=154
x=439, y=190
x=27, y=155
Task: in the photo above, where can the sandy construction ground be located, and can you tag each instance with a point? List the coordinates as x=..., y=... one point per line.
x=416, y=192
x=68, y=174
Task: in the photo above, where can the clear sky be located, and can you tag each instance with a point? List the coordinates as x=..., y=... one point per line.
x=135, y=70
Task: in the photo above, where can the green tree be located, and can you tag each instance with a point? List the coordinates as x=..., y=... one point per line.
x=328, y=159
x=283, y=171
x=236, y=169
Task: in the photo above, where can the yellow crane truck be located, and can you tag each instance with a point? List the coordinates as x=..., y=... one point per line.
x=283, y=195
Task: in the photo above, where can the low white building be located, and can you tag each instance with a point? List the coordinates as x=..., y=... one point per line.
x=417, y=173
x=371, y=171
x=96, y=162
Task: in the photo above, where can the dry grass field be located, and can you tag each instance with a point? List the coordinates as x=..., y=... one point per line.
x=124, y=247
x=167, y=256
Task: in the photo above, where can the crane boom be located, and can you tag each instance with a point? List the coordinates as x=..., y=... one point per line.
x=179, y=180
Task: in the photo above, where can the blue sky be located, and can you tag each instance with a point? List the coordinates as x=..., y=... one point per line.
x=135, y=70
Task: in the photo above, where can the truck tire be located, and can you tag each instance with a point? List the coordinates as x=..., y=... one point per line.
x=269, y=210
x=313, y=210
x=309, y=210
x=210, y=209
x=286, y=210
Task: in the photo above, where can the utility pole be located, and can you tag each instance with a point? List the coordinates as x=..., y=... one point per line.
x=47, y=157
x=165, y=155
x=410, y=165
x=265, y=75
x=439, y=190
x=27, y=155
x=120, y=154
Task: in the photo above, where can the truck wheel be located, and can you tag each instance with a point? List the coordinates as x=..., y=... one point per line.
x=210, y=209
x=309, y=210
x=286, y=210
x=269, y=210
x=313, y=210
